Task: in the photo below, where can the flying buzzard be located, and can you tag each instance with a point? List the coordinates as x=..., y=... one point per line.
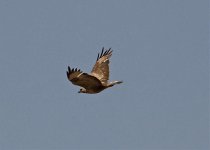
x=97, y=80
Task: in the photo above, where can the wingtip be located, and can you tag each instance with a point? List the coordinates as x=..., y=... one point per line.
x=102, y=52
x=69, y=69
x=97, y=57
x=110, y=50
x=67, y=74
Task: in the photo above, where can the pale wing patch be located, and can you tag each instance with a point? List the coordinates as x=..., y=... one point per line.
x=79, y=75
x=105, y=60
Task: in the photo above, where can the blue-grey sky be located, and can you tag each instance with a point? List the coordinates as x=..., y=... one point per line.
x=160, y=52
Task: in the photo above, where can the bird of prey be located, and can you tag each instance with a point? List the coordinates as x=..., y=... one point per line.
x=97, y=80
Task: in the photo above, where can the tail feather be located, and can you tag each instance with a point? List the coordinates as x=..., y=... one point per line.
x=115, y=82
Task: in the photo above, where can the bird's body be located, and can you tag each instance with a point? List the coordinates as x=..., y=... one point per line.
x=97, y=80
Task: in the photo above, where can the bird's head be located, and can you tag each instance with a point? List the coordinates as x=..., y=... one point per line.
x=82, y=90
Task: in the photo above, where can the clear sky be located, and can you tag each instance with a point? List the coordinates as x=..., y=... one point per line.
x=160, y=52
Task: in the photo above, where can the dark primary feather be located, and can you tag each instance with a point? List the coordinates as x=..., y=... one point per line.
x=109, y=51
x=72, y=73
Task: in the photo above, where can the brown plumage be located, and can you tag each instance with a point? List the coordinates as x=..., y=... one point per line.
x=97, y=80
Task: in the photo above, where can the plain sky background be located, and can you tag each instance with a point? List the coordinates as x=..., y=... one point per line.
x=160, y=52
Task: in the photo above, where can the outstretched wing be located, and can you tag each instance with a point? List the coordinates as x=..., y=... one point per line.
x=101, y=67
x=79, y=78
